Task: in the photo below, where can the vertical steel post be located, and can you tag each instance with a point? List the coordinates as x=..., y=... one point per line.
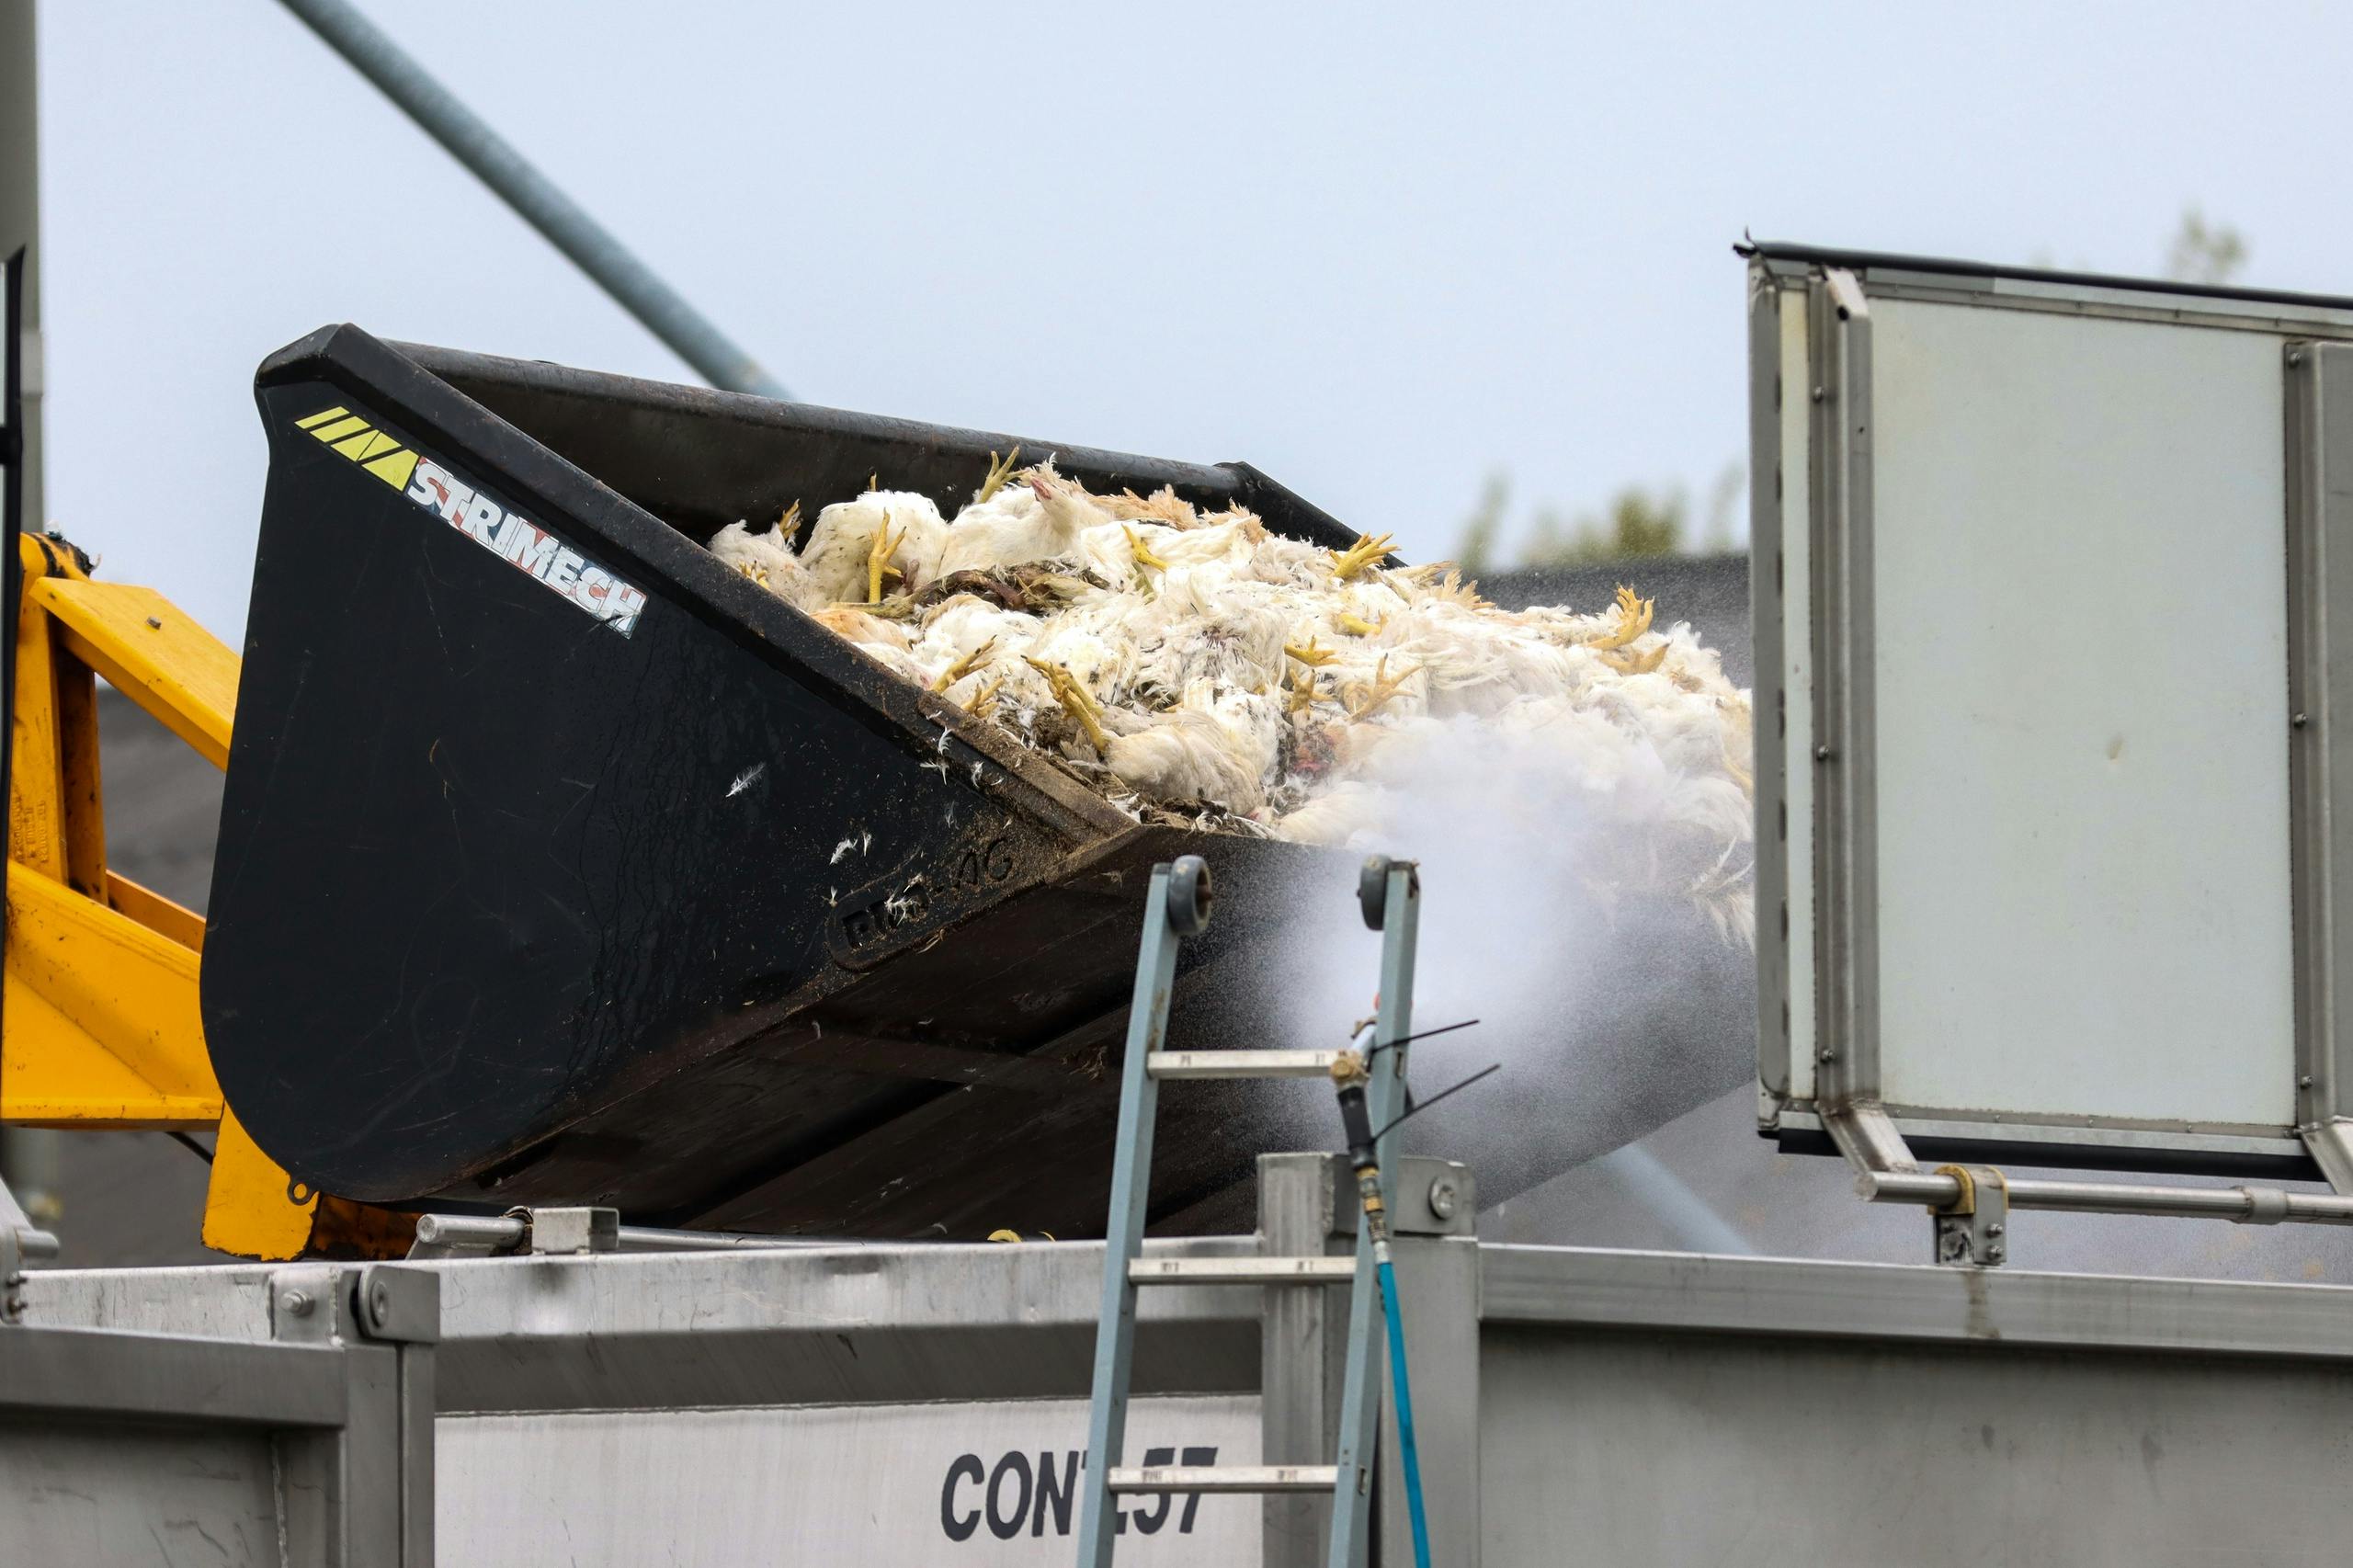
x=1115, y=1339
x=632, y=285
x=1360, y=1399
x=1304, y=1200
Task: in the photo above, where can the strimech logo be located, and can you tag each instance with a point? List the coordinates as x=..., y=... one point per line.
x=510, y=536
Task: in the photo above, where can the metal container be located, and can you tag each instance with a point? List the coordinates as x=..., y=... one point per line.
x=899, y=1404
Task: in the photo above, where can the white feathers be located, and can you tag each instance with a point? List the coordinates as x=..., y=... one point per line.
x=768, y=559
x=1205, y=672
x=1036, y=517
x=1213, y=745
x=841, y=546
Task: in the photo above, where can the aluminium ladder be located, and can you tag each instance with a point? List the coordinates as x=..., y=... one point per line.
x=1177, y=907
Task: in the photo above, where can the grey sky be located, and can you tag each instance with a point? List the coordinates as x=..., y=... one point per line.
x=1378, y=251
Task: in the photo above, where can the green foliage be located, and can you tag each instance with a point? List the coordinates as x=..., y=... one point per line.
x=2203, y=252
x=1637, y=522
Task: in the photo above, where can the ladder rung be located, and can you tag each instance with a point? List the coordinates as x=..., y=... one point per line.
x=1242, y=1270
x=1227, y=1478
x=1241, y=1063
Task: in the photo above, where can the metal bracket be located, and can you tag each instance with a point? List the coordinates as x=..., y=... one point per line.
x=1867, y=1135
x=2330, y=1143
x=1434, y=1198
x=540, y=1232
x=20, y=1239
x=308, y=1303
x=402, y=1306
x=337, y=1303
x=1973, y=1232
x=564, y=1232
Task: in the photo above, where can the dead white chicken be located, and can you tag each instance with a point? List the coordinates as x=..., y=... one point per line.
x=1039, y=518
x=767, y=558
x=1217, y=747
x=1197, y=664
x=885, y=543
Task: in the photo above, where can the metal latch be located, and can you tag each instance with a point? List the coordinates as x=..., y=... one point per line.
x=544, y=1231
x=1973, y=1231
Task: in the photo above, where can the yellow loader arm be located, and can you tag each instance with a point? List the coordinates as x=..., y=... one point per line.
x=99, y=1024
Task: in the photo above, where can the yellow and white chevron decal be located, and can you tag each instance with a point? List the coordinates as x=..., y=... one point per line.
x=364, y=444
x=507, y=534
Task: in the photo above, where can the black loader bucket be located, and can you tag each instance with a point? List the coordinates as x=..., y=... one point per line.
x=559, y=863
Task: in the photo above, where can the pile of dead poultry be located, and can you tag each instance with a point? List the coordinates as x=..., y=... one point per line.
x=1195, y=668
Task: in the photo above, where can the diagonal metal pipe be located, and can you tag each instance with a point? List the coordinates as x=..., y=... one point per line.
x=593, y=248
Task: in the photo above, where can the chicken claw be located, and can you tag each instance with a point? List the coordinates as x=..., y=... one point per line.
x=964, y=666
x=1633, y=620
x=1313, y=658
x=878, y=560
x=1357, y=626
x=1076, y=700
x=1302, y=694
x=1143, y=551
x=1384, y=687
x=984, y=701
x=788, y=524
x=1630, y=663
x=755, y=571
x=1367, y=550
x=1000, y=469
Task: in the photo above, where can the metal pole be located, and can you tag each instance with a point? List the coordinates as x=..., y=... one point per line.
x=593, y=250
x=2246, y=1205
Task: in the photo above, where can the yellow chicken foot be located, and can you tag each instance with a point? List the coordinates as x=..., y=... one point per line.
x=999, y=471
x=788, y=524
x=964, y=666
x=1076, y=700
x=984, y=701
x=755, y=571
x=1313, y=658
x=1357, y=626
x=1302, y=694
x=1367, y=550
x=878, y=560
x=1633, y=620
x=1143, y=551
x=1630, y=663
x=1384, y=687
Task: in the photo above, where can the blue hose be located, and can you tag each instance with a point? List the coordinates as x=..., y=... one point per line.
x=1411, y=1454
